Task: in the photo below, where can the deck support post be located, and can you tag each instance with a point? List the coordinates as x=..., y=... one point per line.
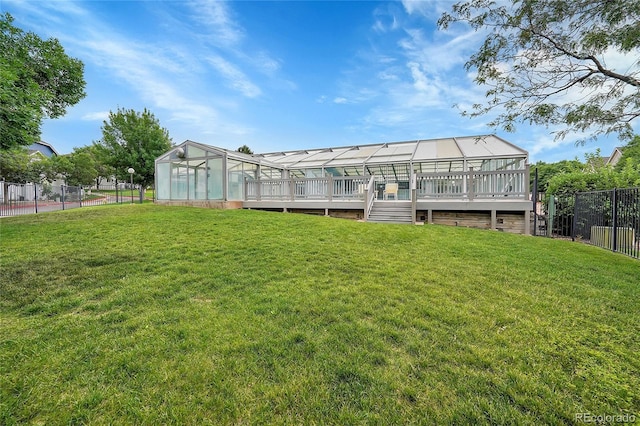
x=326, y=212
x=494, y=219
x=527, y=222
x=413, y=199
x=258, y=189
x=470, y=185
x=292, y=189
x=365, y=205
x=430, y=216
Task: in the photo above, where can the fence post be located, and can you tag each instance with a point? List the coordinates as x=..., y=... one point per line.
x=62, y=191
x=534, y=198
x=470, y=193
x=614, y=207
x=35, y=196
x=575, y=217
x=80, y=195
x=551, y=215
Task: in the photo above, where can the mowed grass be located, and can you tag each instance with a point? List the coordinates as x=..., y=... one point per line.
x=143, y=314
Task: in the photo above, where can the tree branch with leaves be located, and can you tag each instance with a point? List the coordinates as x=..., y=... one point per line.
x=38, y=80
x=546, y=62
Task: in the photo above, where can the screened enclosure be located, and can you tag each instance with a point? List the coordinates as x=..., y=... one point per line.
x=193, y=171
x=441, y=167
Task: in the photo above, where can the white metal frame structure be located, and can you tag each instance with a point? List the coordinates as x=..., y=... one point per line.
x=475, y=173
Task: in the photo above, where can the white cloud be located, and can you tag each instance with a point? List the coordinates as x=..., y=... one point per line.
x=236, y=79
x=388, y=75
x=431, y=9
x=420, y=81
x=216, y=18
x=340, y=100
x=440, y=55
x=96, y=116
x=265, y=63
x=385, y=20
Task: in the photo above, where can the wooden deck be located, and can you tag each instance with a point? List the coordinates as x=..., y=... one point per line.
x=488, y=192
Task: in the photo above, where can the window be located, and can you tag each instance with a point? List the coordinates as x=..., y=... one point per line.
x=215, y=179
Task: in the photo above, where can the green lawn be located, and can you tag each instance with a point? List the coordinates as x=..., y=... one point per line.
x=148, y=194
x=143, y=314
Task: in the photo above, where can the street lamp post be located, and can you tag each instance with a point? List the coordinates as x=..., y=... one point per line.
x=131, y=172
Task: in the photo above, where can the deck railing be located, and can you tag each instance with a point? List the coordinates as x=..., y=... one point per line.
x=454, y=185
x=472, y=184
x=371, y=196
x=325, y=188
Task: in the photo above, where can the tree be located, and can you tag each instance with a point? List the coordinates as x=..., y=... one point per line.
x=98, y=162
x=15, y=165
x=546, y=171
x=630, y=154
x=77, y=169
x=133, y=139
x=596, y=176
x=37, y=80
x=245, y=150
x=543, y=62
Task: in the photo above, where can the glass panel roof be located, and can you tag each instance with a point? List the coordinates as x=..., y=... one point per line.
x=418, y=151
x=487, y=146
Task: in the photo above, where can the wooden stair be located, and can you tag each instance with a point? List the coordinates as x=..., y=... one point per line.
x=391, y=212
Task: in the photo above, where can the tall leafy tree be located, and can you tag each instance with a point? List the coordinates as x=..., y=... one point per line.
x=99, y=161
x=133, y=139
x=37, y=80
x=544, y=62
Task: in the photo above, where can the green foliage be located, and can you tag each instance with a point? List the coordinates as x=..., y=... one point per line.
x=630, y=154
x=133, y=139
x=245, y=149
x=539, y=56
x=37, y=80
x=78, y=168
x=103, y=169
x=595, y=177
x=145, y=314
x=15, y=165
x=546, y=171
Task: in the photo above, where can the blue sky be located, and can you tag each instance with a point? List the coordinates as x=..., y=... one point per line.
x=274, y=75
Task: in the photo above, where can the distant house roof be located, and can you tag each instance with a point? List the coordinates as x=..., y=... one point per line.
x=44, y=148
x=615, y=156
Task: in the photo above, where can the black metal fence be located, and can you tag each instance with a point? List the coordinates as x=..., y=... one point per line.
x=562, y=217
x=608, y=219
x=19, y=198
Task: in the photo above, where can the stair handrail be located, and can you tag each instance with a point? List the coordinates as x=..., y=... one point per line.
x=369, y=198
